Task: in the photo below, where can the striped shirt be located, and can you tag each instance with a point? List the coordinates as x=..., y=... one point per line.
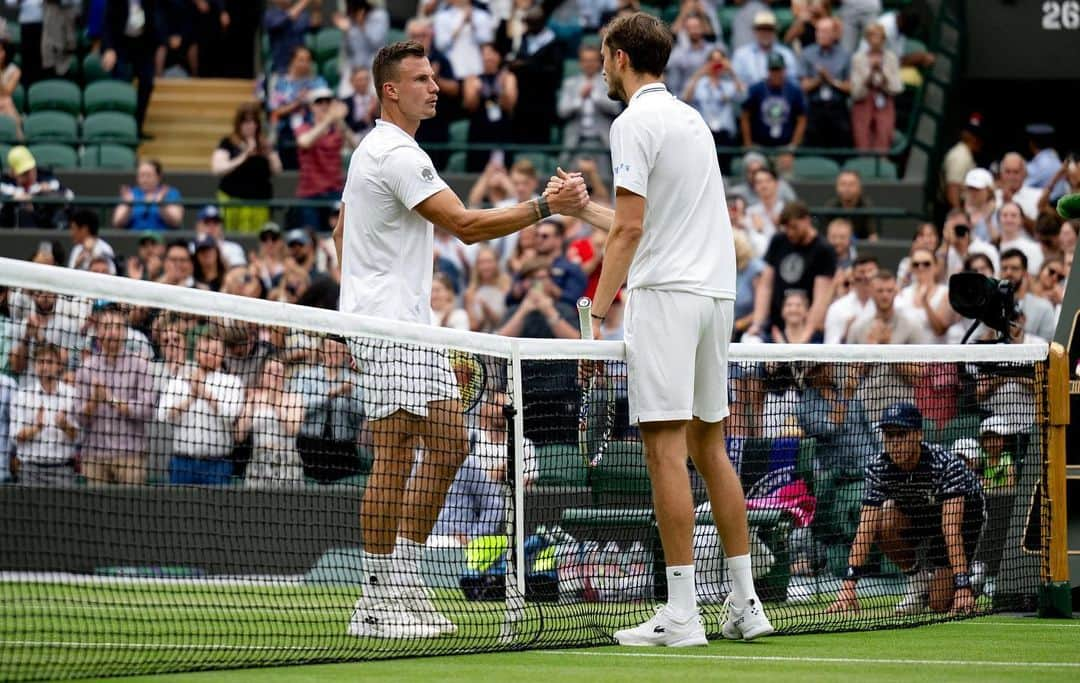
x=939, y=476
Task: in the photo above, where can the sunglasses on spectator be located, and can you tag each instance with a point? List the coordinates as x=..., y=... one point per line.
x=922, y=264
x=1056, y=274
x=269, y=237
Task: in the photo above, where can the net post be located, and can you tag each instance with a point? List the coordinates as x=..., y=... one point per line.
x=518, y=432
x=1056, y=599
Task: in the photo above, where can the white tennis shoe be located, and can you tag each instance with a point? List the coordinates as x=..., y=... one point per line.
x=916, y=595
x=747, y=622
x=387, y=618
x=664, y=629
x=425, y=611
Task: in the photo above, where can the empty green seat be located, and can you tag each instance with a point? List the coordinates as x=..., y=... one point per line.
x=19, y=96
x=92, y=69
x=327, y=44
x=108, y=156
x=9, y=132
x=395, y=35
x=51, y=126
x=570, y=67
x=815, y=168
x=459, y=131
x=109, y=95
x=331, y=72
x=55, y=94
x=51, y=155
x=560, y=464
x=4, y=149
x=456, y=163
x=111, y=126
x=872, y=167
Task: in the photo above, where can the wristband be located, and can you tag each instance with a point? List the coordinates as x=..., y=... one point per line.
x=854, y=573
x=961, y=580
x=542, y=205
x=601, y=318
x=536, y=209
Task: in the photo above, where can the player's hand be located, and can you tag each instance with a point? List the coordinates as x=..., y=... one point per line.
x=846, y=600
x=963, y=601
x=572, y=197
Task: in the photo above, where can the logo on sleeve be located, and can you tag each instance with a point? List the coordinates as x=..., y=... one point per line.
x=427, y=174
x=621, y=169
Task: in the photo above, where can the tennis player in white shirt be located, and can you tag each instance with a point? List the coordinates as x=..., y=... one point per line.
x=384, y=240
x=671, y=241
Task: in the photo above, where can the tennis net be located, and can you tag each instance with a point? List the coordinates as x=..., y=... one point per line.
x=190, y=467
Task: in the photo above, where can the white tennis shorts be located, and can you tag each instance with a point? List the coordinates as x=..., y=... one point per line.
x=677, y=355
x=397, y=376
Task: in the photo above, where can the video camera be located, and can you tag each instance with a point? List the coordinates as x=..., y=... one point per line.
x=987, y=300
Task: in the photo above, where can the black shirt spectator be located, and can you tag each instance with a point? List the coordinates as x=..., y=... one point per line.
x=129, y=47
x=797, y=258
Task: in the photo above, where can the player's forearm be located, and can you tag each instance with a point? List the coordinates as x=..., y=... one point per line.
x=598, y=216
x=479, y=225
x=618, y=255
x=339, y=233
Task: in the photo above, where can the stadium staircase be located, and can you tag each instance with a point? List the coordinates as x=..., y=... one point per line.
x=187, y=118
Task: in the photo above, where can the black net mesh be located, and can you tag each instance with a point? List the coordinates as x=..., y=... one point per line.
x=196, y=491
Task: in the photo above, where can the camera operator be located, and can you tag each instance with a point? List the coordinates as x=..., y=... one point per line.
x=958, y=243
x=1037, y=313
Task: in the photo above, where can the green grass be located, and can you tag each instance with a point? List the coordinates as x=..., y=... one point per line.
x=50, y=630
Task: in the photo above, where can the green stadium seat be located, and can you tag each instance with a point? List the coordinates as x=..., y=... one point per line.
x=815, y=168
x=327, y=44
x=560, y=465
x=570, y=67
x=55, y=95
x=331, y=72
x=913, y=45
x=652, y=10
x=9, y=132
x=92, y=69
x=4, y=149
x=670, y=14
x=622, y=473
x=50, y=126
x=727, y=16
x=50, y=155
x=872, y=167
x=109, y=95
x=456, y=163
x=19, y=96
x=106, y=156
x=111, y=126
x=395, y=35
x=459, y=131
x=784, y=19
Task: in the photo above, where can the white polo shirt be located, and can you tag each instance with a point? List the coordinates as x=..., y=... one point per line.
x=388, y=248
x=661, y=149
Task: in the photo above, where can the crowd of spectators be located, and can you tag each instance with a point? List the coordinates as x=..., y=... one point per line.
x=132, y=394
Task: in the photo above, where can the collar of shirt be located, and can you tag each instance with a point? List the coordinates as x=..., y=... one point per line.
x=655, y=86
x=394, y=127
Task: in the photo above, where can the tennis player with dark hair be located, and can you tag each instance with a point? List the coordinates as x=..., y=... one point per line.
x=917, y=495
x=384, y=241
x=671, y=234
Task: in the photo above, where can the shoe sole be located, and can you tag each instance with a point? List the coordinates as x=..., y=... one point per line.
x=760, y=632
x=690, y=641
x=360, y=632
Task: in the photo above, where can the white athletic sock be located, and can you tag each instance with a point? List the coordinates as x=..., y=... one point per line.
x=682, y=597
x=407, y=555
x=742, y=579
x=378, y=571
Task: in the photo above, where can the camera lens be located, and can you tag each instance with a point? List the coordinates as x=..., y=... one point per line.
x=960, y=230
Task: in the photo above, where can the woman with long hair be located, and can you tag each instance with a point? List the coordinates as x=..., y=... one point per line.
x=246, y=162
x=926, y=237
x=272, y=415
x=444, y=308
x=209, y=265
x=485, y=298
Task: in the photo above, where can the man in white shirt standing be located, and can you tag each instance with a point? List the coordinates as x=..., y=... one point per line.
x=44, y=424
x=671, y=241
x=385, y=244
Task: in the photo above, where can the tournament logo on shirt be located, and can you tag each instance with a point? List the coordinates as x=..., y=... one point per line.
x=792, y=268
x=427, y=174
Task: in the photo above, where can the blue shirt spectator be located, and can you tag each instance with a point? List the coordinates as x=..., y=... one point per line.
x=150, y=204
x=751, y=61
x=774, y=114
x=285, y=26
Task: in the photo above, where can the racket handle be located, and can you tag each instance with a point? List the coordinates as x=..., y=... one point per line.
x=584, y=311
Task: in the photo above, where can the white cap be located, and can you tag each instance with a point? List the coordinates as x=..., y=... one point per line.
x=765, y=18
x=995, y=424
x=979, y=178
x=320, y=94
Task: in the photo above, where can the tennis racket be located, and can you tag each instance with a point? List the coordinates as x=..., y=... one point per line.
x=596, y=419
x=471, y=374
